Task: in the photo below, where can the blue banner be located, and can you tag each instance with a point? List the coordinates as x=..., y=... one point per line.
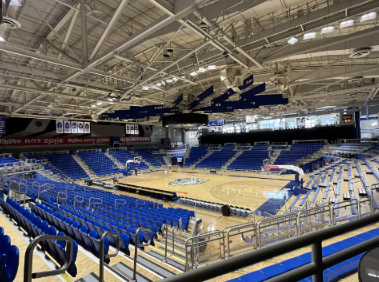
x=218, y=122
x=3, y=128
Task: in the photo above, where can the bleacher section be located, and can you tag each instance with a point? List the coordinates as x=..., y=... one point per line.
x=99, y=163
x=297, y=152
x=124, y=155
x=352, y=148
x=196, y=154
x=9, y=258
x=148, y=156
x=217, y=159
x=8, y=161
x=66, y=164
x=252, y=159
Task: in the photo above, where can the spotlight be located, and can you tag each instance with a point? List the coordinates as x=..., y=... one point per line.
x=292, y=40
x=309, y=35
x=369, y=16
x=193, y=73
x=346, y=23
x=201, y=69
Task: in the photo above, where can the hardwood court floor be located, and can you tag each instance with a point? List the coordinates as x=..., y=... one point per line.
x=248, y=190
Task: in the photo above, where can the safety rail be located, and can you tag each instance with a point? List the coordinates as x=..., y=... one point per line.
x=117, y=201
x=80, y=198
x=313, y=219
x=102, y=255
x=93, y=198
x=28, y=262
x=193, y=244
x=136, y=250
x=49, y=185
x=244, y=230
x=61, y=193
x=315, y=267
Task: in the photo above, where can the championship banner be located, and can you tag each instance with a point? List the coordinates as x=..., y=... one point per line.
x=67, y=126
x=135, y=139
x=80, y=127
x=136, y=129
x=127, y=128
x=46, y=141
x=132, y=129
x=74, y=127
x=59, y=125
x=3, y=127
x=87, y=127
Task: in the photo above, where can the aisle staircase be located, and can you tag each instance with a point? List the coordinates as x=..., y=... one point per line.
x=225, y=166
x=85, y=167
x=195, y=163
x=116, y=161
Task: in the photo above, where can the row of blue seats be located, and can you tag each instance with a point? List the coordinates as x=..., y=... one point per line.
x=67, y=164
x=33, y=226
x=196, y=153
x=126, y=204
x=337, y=271
x=217, y=159
x=85, y=236
x=148, y=156
x=9, y=258
x=99, y=223
x=99, y=163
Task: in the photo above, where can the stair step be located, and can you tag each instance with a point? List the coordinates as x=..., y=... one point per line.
x=127, y=272
x=154, y=267
x=169, y=261
x=169, y=247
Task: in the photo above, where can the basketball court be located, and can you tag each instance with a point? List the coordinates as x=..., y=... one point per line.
x=243, y=189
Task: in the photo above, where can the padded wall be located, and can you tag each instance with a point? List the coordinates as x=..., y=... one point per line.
x=330, y=133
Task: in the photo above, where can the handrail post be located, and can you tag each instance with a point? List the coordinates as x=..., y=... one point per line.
x=102, y=254
x=173, y=241
x=317, y=260
x=134, y=279
x=28, y=262
x=165, y=249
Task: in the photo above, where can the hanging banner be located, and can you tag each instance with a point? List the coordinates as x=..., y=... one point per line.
x=136, y=129
x=59, y=125
x=53, y=141
x=67, y=126
x=3, y=129
x=127, y=128
x=87, y=127
x=80, y=127
x=132, y=129
x=74, y=127
x=135, y=139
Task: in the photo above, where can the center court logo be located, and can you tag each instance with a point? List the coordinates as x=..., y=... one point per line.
x=187, y=181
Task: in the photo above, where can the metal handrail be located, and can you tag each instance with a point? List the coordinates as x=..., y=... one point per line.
x=26, y=191
x=69, y=188
x=239, y=227
x=89, y=203
x=102, y=253
x=82, y=200
x=40, y=186
x=59, y=193
x=28, y=262
x=115, y=202
x=315, y=268
x=136, y=250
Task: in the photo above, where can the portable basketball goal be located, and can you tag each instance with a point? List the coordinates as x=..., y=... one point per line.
x=135, y=160
x=299, y=172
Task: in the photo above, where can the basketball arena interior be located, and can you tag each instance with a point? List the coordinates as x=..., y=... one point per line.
x=189, y=140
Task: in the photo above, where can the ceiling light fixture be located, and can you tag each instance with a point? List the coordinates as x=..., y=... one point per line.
x=201, y=69
x=2, y=39
x=169, y=80
x=327, y=29
x=346, y=23
x=309, y=35
x=175, y=79
x=110, y=99
x=93, y=106
x=145, y=87
x=369, y=16
x=159, y=84
x=163, y=82
x=212, y=67
x=292, y=40
x=99, y=103
x=193, y=73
